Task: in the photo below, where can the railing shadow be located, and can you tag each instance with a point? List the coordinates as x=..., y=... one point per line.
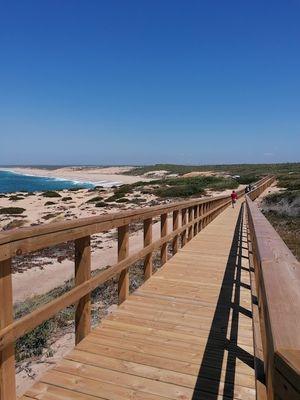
x=227, y=313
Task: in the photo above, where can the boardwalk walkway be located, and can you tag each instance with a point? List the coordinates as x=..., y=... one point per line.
x=185, y=334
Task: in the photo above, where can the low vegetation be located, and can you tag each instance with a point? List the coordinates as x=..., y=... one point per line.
x=256, y=170
x=16, y=198
x=50, y=216
x=67, y=198
x=15, y=223
x=51, y=193
x=176, y=187
x=49, y=203
x=283, y=211
x=95, y=199
x=100, y=204
x=12, y=210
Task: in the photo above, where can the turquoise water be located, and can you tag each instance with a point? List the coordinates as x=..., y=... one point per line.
x=12, y=182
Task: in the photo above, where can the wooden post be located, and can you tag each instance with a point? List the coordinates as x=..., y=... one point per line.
x=147, y=241
x=200, y=224
x=7, y=356
x=183, y=222
x=82, y=274
x=163, y=232
x=123, y=251
x=175, y=227
x=190, y=230
x=196, y=209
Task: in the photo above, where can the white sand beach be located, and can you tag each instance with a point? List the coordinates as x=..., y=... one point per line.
x=116, y=175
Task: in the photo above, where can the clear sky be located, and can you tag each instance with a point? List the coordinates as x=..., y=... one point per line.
x=147, y=81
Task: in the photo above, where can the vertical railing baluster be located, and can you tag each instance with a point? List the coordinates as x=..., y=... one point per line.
x=196, y=208
x=200, y=214
x=147, y=242
x=163, y=233
x=175, y=227
x=190, y=230
x=7, y=356
x=183, y=222
x=123, y=252
x=82, y=274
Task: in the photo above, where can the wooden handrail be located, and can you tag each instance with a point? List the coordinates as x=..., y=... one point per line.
x=26, y=240
x=199, y=213
x=278, y=279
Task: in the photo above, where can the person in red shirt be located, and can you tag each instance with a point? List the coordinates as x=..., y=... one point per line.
x=233, y=198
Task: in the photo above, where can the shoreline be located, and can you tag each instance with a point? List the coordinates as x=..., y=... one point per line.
x=109, y=176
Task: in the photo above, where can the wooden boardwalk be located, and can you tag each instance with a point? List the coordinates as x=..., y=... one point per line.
x=185, y=334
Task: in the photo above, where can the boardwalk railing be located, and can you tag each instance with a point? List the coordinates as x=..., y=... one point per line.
x=188, y=218
x=277, y=276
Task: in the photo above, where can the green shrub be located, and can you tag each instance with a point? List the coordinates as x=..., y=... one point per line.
x=49, y=216
x=289, y=181
x=75, y=189
x=95, y=199
x=49, y=203
x=112, y=199
x=51, y=193
x=12, y=210
x=122, y=200
x=137, y=201
x=248, y=178
x=67, y=198
x=16, y=223
x=33, y=343
x=288, y=196
x=100, y=204
x=16, y=198
x=180, y=191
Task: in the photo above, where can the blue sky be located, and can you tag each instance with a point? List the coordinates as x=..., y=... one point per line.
x=147, y=81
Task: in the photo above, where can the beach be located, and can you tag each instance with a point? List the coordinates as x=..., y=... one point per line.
x=114, y=175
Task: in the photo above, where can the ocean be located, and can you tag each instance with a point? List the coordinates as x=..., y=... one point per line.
x=13, y=182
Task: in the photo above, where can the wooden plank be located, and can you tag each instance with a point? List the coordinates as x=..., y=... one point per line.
x=166, y=342
x=123, y=251
x=43, y=391
x=194, y=357
x=110, y=376
x=95, y=388
x=152, y=372
x=7, y=355
x=82, y=274
x=154, y=386
x=160, y=361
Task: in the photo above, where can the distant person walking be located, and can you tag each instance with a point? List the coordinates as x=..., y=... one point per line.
x=233, y=198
